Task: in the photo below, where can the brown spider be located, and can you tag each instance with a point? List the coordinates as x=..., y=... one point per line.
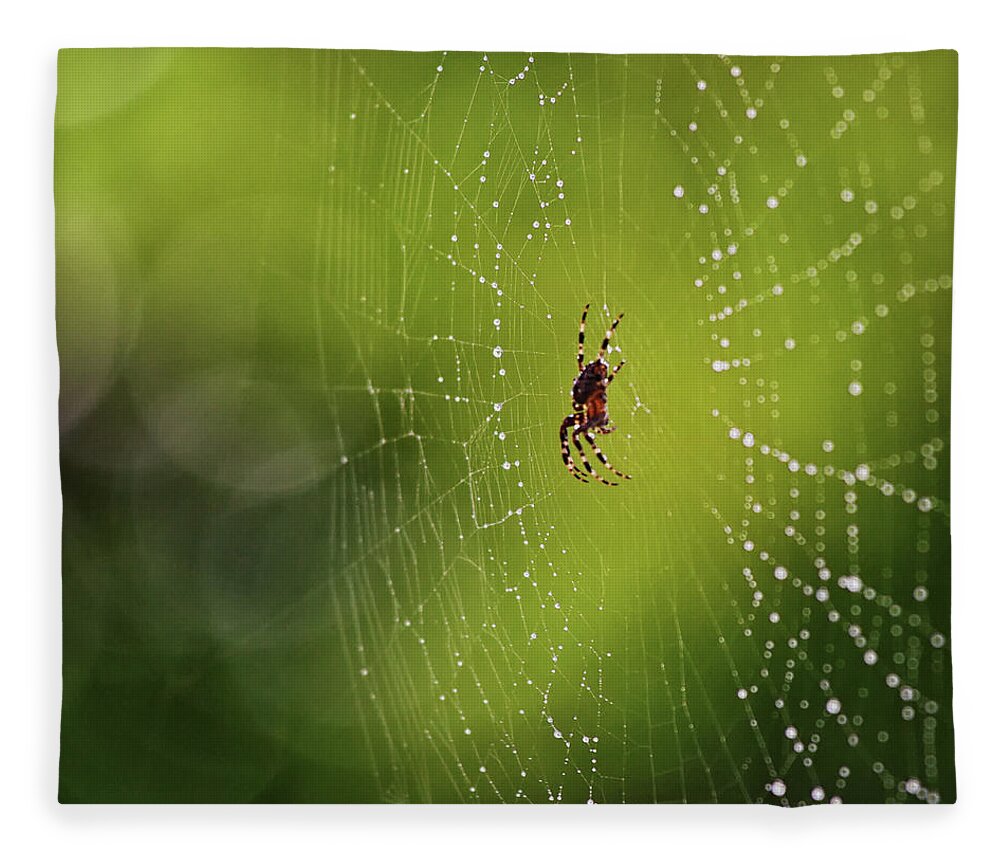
x=590, y=407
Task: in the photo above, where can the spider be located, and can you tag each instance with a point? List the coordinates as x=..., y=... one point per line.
x=590, y=407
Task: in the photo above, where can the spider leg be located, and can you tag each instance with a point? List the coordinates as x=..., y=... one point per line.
x=614, y=370
x=603, y=459
x=583, y=459
x=607, y=337
x=569, y=421
x=583, y=325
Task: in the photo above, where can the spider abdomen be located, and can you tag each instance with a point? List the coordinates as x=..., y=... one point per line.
x=590, y=382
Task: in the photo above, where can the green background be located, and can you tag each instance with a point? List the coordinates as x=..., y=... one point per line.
x=317, y=315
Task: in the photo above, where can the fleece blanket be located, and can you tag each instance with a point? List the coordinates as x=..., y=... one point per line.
x=505, y=427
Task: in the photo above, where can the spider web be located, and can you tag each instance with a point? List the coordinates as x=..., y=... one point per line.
x=761, y=614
